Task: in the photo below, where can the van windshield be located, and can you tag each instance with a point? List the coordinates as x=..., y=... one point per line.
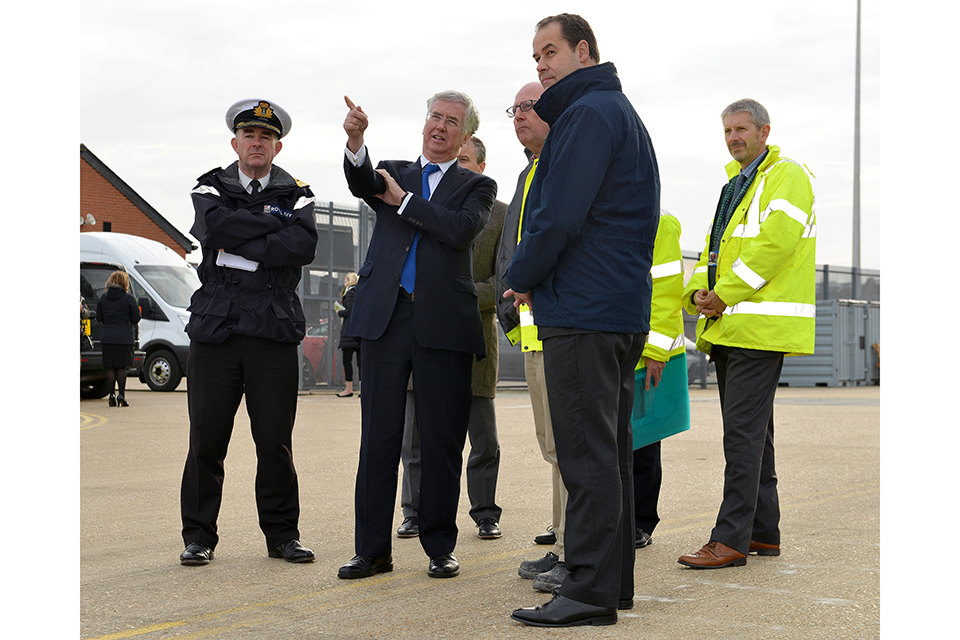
x=174, y=284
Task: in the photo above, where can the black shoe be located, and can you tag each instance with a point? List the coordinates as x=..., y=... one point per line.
x=547, y=537
x=564, y=612
x=625, y=604
x=292, y=551
x=364, y=567
x=643, y=538
x=112, y=400
x=530, y=569
x=122, y=402
x=445, y=566
x=409, y=528
x=196, y=554
x=488, y=529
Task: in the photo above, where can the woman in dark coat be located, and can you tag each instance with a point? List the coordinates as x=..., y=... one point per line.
x=349, y=346
x=118, y=314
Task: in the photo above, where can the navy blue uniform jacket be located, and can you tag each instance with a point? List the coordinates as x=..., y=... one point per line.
x=592, y=212
x=445, y=297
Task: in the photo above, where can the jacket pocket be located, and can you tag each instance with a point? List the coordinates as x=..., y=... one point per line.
x=365, y=269
x=466, y=285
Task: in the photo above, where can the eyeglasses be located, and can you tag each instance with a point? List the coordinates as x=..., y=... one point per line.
x=524, y=106
x=436, y=118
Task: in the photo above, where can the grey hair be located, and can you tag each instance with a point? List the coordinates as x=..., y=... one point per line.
x=758, y=114
x=480, y=148
x=471, y=116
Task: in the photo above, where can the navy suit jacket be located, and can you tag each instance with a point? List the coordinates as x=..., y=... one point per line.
x=445, y=296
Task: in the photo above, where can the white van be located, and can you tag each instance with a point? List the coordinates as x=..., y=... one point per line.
x=167, y=281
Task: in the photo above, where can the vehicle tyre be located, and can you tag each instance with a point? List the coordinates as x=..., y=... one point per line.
x=161, y=371
x=94, y=390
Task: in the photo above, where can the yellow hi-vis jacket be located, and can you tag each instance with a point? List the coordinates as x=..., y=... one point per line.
x=666, y=318
x=526, y=331
x=766, y=271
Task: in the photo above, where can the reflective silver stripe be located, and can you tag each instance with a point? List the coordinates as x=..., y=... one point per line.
x=748, y=275
x=664, y=342
x=302, y=202
x=793, y=211
x=526, y=319
x=702, y=269
x=666, y=269
x=811, y=231
x=202, y=189
x=771, y=308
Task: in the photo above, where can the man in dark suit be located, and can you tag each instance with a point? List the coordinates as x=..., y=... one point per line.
x=483, y=464
x=416, y=312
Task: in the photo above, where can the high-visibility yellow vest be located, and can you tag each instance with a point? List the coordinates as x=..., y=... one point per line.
x=526, y=331
x=666, y=317
x=766, y=271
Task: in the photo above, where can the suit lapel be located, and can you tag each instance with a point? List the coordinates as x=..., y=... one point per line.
x=450, y=181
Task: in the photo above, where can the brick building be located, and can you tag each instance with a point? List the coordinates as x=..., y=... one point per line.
x=117, y=207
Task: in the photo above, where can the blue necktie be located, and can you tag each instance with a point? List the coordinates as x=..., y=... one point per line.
x=408, y=274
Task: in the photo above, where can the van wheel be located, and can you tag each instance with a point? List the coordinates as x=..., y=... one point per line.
x=162, y=371
x=94, y=390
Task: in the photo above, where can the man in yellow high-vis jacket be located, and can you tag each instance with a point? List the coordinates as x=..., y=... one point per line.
x=518, y=325
x=754, y=288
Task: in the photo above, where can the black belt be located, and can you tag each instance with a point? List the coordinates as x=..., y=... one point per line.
x=404, y=296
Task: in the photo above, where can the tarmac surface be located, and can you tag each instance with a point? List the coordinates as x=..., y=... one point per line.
x=825, y=583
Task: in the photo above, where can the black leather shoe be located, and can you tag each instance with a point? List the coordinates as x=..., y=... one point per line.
x=408, y=528
x=547, y=537
x=292, y=551
x=564, y=612
x=196, y=554
x=364, y=567
x=488, y=529
x=445, y=566
x=643, y=538
x=112, y=400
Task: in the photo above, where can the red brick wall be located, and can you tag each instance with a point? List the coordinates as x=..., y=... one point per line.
x=107, y=204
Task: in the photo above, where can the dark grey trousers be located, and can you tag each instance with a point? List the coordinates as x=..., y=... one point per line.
x=590, y=384
x=747, y=379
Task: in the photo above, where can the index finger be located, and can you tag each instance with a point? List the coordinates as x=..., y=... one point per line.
x=349, y=102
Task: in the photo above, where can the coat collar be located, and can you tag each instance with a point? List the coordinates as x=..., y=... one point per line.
x=570, y=88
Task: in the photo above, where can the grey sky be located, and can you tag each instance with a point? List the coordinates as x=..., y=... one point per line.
x=156, y=79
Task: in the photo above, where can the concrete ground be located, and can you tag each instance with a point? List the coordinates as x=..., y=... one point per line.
x=826, y=583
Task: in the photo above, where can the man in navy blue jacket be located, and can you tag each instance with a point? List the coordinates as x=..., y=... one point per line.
x=583, y=267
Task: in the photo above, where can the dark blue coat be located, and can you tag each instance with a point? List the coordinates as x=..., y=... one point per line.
x=118, y=313
x=594, y=206
x=263, y=303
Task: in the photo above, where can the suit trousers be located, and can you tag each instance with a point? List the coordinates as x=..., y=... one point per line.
x=442, y=389
x=218, y=375
x=537, y=384
x=483, y=463
x=747, y=380
x=590, y=383
x=647, y=478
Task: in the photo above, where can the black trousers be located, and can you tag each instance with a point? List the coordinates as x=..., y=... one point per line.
x=348, y=355
x=747, y=380
x=218, y=375
x=442, y=388
x=590, y=385
x=647, y=478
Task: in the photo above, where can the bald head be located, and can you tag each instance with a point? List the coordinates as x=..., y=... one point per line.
x=530, y=129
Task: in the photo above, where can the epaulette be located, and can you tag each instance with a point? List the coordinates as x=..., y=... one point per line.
x=301, y=184
x=209, y=173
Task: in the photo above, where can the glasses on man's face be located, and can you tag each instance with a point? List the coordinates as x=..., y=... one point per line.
x=524, y=106
x=437, y=118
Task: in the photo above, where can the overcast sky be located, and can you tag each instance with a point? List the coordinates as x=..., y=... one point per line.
x=157, y=78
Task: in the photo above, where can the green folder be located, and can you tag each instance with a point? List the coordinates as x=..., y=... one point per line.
x=665, y=409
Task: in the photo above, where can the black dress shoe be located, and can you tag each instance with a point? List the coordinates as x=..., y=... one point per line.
x=196, y=554
x=564, y=612
x=445, y=566
x=292, y=551
x=408, y=528
x=643, y=538
x=364, y=567
x=488, y=529
x=547, y=537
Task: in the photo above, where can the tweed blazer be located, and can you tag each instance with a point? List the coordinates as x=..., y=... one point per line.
x=484, y=275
